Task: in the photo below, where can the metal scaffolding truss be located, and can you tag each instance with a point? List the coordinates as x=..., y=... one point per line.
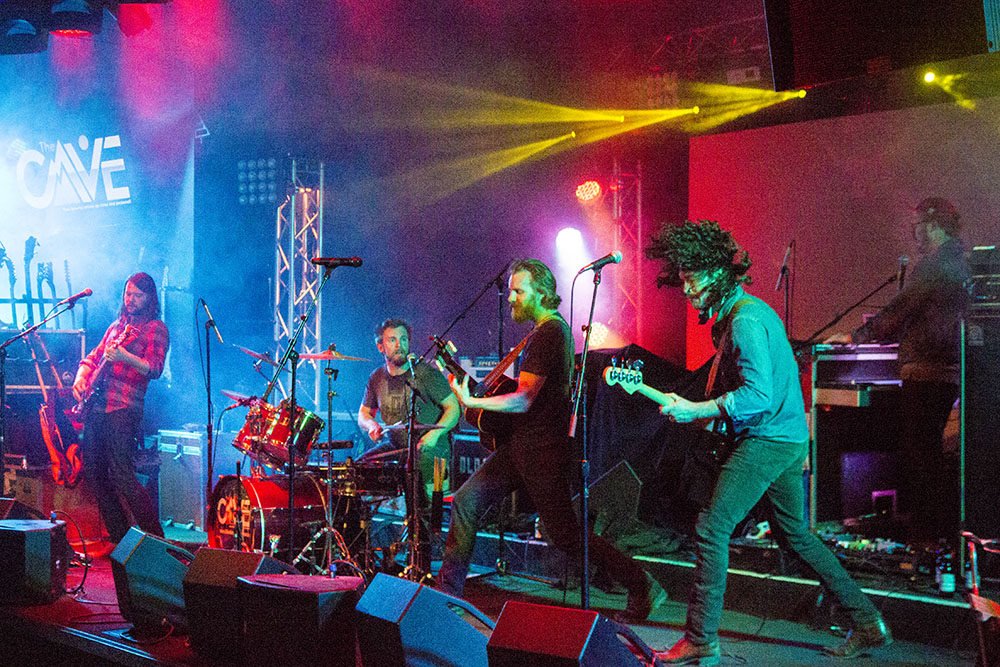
x=626, y=211
x=299, y=238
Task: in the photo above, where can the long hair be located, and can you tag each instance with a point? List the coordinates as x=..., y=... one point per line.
x=542, y=281
x=147, y=286
x=699, y=246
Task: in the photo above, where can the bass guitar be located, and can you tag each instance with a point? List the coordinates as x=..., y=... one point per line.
x=94, y=391
x=494, y=427
x=716, y=434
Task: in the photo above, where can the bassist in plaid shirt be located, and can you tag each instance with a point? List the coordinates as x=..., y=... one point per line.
x=111, y=384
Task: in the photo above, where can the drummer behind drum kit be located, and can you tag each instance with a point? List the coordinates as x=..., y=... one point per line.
x=332, y=501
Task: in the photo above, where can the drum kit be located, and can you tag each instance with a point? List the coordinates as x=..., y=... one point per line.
x=331, y=502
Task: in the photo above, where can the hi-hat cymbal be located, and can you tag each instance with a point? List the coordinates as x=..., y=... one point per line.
x=334, y=444
x=235, y=395
x=330, y=355
x=418, y=429
x=265, y=356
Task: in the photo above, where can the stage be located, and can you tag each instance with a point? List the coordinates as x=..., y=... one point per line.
x=769, y=619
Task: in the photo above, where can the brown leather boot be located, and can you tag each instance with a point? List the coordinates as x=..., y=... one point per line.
x=861, y=639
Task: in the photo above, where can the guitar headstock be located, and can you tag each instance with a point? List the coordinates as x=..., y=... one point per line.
x=29, y=248
x=624, y=373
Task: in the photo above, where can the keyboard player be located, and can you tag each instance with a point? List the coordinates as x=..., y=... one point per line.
x=924, y=318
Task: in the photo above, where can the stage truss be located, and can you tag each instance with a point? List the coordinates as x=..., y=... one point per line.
x=299, y=238
x=626, y=211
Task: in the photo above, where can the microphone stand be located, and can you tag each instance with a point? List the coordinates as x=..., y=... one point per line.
x=784, y=280
x=808, y=341
x=578, y=397
x=3, y=381
x=413, y=570
x=209, y=440
x=291, y=355
x=495, y=280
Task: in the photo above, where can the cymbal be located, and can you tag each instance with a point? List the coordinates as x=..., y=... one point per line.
x=235, y=395
x=265, y=357
x=418, y=429
x=331, y=355
x=334, y=444
x=373, y=454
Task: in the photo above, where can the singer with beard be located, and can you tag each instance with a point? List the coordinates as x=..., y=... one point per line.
x=113, y=421
x=537, y=456
x=757, y=392
x=387, y=394
x=924, y=319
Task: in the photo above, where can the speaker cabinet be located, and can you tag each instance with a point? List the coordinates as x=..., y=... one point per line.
x=34, y=556
x=546, y=636
x=149, y=576
x=405, y=624
x=296, y=619
x=12, y=509
x=982, y=424
x=211, y=603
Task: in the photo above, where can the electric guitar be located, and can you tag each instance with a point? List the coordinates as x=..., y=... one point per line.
x=716, y=434
x=29, y=254
x=493, y=426
x=65, y=461
x=82, y=409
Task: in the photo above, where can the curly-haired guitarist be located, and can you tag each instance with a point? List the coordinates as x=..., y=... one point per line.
x=757, y=391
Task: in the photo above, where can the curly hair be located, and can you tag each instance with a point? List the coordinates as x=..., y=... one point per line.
x=392, y=323
x=698, y=246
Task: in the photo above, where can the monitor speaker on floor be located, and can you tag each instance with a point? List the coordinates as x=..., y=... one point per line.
x=34, y=557
x=405, y=624
x=546, y=636
x=211, y=602
x=149, y=575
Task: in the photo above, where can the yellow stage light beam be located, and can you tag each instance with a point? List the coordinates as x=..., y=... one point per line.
x=727, y=109
x=434, y=105
x=947, y=83
x=430, y=183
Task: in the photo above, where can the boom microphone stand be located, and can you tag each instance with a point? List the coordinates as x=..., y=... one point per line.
x=578, y=392
x=808, y=341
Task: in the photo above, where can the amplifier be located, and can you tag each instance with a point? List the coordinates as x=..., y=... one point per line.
x=35, y=557
x=467, y=454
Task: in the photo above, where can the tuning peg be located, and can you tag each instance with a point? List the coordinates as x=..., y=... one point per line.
x=636, y=365
x=614, y=361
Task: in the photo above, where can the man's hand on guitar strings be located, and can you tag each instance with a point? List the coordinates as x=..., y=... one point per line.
x=461, y=391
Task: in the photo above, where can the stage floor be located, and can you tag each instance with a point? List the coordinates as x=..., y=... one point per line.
x=80, y=629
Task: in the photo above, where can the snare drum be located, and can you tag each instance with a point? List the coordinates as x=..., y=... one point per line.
x=266, y=432
x=263, y=509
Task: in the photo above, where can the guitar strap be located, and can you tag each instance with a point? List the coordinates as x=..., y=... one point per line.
x=727, y=326
x=505, y=363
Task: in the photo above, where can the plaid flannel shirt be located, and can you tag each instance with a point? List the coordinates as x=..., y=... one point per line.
x=123, y=385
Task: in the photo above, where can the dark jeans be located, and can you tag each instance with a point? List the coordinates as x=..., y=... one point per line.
x=929, y=491
x=757, y=467
x=110, y=440
x=544, y=475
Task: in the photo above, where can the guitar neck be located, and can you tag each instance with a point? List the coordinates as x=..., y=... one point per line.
x=653, y=394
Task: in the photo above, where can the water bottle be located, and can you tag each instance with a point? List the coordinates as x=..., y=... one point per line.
x=946, y=584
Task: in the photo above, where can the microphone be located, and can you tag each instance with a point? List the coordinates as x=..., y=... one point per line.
x=412, y=359
x=597, y=264
x=784, y=266
x=211, y=321
x=333, y=262
x=901, y=271
x=71, y=301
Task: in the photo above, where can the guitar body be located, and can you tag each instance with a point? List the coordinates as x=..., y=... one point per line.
x=92, y=396
x=494, y=427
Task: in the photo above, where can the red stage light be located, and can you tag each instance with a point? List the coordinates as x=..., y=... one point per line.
x=588, y=191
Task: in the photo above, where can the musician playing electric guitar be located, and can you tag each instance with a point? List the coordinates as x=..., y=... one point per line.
x=111, y=387
x=757, y=380
x=536, y=455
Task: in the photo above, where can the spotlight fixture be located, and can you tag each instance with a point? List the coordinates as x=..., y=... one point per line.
x=71, y=18
x=256, y=182
x=929, y=77
x=588, y=191
x=22, y=28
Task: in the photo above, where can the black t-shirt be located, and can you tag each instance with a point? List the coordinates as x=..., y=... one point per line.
x=549, y=354
x=390, y=395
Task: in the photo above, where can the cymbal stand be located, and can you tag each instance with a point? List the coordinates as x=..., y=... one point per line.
x=292, y=355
